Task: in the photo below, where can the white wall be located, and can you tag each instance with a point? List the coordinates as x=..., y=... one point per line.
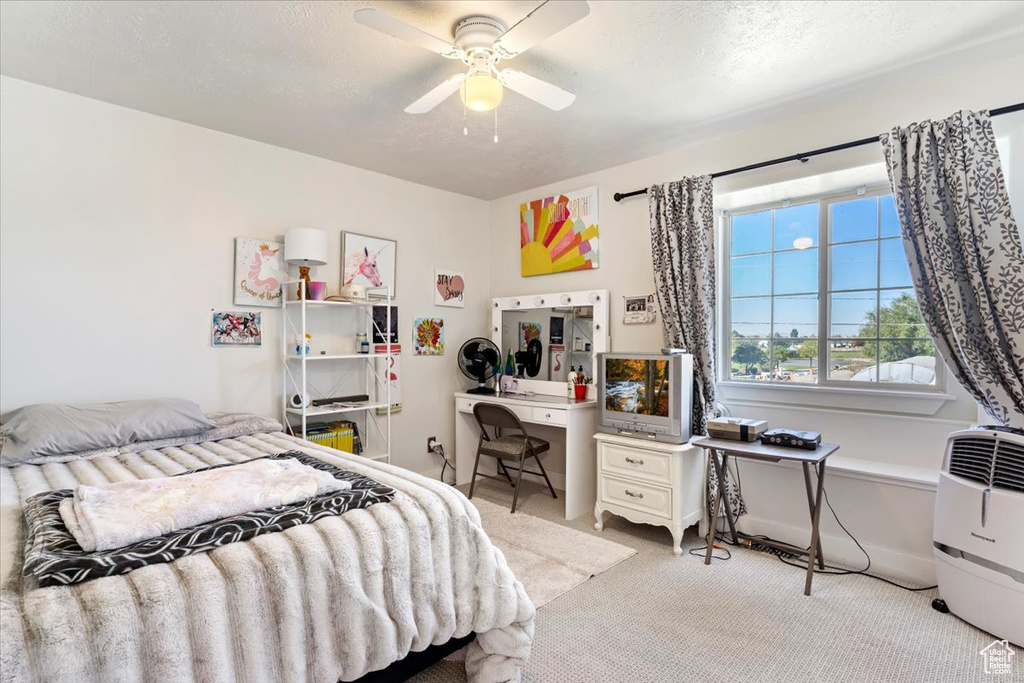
x=116, y=242
x=893, y=521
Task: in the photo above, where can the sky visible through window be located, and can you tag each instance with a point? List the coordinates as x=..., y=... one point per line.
x=860, y=261
x=778, y=290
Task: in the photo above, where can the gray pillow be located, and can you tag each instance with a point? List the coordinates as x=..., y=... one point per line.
x=51, y=429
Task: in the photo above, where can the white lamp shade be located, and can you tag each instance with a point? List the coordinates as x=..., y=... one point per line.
x=305, y=246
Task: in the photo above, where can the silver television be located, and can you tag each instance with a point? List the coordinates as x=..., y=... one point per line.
x=645, y=395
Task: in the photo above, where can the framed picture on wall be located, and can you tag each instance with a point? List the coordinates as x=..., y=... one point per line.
x=449, y=288
x=259, y=271
x=369, y=261
x=236, y=328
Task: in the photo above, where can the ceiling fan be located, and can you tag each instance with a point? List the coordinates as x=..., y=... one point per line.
x=480, y=42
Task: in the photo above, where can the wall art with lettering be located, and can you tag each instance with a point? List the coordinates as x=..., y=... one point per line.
x=449, y=288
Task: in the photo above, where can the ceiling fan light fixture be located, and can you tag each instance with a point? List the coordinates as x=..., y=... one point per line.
x=481, y=92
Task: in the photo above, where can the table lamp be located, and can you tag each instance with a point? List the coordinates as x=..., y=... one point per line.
x=305, y=247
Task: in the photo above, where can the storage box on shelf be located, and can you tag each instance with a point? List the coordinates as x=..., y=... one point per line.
x=340, y=371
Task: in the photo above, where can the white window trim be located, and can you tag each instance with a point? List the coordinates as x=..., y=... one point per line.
x=895, y=398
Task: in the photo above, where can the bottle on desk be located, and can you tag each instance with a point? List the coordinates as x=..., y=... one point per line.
x=572, y=381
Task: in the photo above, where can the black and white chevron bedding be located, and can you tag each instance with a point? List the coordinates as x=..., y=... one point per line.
x=54, y=557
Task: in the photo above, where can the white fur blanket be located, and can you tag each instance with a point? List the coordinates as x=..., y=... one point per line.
x=327, y=601
x=114, y=515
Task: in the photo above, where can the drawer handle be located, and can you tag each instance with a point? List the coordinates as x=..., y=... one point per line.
x=634, y=495
x=631, y=461
x=548, y=416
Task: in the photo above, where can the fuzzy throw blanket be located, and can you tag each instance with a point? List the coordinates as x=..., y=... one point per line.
x=114, y=515
x=328, y=601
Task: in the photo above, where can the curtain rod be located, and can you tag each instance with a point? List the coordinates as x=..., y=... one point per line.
x=805, y=156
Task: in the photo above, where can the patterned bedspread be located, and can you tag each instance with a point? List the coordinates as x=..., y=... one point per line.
x=327, y=601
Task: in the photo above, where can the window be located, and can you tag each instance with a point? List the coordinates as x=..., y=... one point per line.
x=819, y=292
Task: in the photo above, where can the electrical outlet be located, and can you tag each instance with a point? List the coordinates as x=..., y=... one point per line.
x=431, y=440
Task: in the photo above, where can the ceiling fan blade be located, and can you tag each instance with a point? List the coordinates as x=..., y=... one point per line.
x=436, y=96
x=385, y=23
x=542, y=23
x=551, y=96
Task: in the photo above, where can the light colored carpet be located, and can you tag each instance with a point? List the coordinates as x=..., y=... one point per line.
x=550, y=559
x=657, y=618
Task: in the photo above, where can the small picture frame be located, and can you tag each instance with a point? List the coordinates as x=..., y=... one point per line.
x=236, y=328
x=638, y=310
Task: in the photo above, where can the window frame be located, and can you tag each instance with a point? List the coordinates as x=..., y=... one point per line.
x=825, y=201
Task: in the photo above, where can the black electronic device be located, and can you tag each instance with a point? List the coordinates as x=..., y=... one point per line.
x=791, y=438
x=354, y=398
x=478, y=360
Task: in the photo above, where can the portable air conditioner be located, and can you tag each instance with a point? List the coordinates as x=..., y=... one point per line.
x=979, y=530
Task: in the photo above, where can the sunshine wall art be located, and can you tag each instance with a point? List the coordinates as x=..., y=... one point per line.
x=559, y=233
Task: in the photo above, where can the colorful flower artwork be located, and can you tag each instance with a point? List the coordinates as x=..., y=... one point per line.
x=428, y=336
x=259, y=271
x=559, y=233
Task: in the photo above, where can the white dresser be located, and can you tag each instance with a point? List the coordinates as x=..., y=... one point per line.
x=650, y=483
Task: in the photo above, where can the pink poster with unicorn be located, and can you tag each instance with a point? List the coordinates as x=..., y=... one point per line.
x=259, y=271
x=368, y=261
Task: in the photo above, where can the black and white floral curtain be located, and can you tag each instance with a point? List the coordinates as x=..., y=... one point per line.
x=965, y=253
x=683, y=256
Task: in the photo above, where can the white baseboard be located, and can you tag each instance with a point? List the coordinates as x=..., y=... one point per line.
x=841, y=550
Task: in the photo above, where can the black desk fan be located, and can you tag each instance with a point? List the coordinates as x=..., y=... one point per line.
x=478, y=360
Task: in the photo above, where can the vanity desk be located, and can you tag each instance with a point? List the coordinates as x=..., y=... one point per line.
x=549, y=335
x=567, y=423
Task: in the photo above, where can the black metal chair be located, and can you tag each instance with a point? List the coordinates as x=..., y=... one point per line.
x=516, y=447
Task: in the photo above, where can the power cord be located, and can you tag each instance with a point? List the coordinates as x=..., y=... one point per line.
x=782, y=555
x=839, y=571
x=438, y=449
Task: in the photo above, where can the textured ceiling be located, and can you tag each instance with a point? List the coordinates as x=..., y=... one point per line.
x=648, y=75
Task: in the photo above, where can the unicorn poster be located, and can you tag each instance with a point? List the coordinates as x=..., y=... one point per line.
x=368, y=261
x=259, y=271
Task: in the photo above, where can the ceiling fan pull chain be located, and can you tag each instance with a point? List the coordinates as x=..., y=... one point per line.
x=465, y=124
x=495, y=124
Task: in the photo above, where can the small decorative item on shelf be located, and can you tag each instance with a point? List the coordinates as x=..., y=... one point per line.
x=363, y=346
x=302, y=345
x=305, y=247
x=317, y=291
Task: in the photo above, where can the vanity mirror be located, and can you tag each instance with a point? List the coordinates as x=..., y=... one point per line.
x=550, y=334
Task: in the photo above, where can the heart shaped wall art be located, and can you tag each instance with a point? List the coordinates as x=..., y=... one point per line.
x=449, y=288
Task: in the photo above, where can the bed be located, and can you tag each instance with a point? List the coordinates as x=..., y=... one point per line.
x=330, y=601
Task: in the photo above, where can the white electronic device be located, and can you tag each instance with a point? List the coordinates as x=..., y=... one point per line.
x=979, y=530
x=353, y=292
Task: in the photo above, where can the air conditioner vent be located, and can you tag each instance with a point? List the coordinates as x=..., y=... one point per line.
x=995, y=462
x=971, y=458
x=1008, y=472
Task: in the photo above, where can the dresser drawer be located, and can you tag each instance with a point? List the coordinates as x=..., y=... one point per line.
x=654, y=500
x=551, y=416
x=465, y=405
x=636, y=463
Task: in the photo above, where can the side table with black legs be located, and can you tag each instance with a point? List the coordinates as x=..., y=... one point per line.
x=719, y=451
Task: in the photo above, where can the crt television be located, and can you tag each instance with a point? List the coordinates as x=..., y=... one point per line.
x=645, y=395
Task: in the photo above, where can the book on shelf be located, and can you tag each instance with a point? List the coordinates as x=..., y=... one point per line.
x=341, y=435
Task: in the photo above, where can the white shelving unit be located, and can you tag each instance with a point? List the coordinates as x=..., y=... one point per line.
x=360, y=373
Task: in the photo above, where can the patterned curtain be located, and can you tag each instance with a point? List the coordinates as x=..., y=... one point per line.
x=683, y=255
x=965, y=253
